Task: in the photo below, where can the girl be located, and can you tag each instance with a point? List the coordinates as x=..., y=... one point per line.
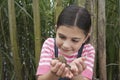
x=72, y=37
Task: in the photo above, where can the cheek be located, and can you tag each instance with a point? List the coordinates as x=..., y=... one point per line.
x=58, y=42
x=77, y=47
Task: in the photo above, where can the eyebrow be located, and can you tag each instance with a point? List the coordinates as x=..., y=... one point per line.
x=65, y=36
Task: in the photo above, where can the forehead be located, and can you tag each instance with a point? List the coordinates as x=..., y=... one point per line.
x=71, y=31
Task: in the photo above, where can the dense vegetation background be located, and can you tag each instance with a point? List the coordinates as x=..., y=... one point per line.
x=25, y=24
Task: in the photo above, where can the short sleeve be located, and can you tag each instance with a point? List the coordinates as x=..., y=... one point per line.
x=46, y=56
x=89, y=54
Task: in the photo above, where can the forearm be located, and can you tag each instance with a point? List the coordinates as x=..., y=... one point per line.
x=48, y=76
x=79, y=77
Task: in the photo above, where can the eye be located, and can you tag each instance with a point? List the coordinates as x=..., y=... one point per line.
x=75, y=40
x=62, y=37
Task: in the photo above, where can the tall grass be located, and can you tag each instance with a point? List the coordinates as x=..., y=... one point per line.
x=113, y=38
x=48, y=16
x=6, y=62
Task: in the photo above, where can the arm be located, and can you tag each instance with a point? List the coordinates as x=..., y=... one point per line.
x=89, y=61
x=48, y=68
x=48, y=76
x=81, y=72
x=80, y=78
x=57, y=70
x=44, y=67
x=77, y=67
x=89, y=54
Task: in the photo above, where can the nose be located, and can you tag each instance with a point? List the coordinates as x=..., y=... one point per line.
x=66, y=44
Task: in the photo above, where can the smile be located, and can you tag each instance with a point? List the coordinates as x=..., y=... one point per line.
x=65, y=50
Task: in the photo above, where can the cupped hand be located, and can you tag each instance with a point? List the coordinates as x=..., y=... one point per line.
x=59, y=69
x=77, y=66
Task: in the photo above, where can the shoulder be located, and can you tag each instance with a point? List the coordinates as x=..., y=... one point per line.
x=49, y=40
x=89, y=46
x=88, y=49
x=48, y=43
x=48, y=47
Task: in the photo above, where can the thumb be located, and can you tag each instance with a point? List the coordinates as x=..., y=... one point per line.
x=53, y=62
x=83, y=58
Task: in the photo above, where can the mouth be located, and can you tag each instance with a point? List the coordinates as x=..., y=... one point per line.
x=65, y=50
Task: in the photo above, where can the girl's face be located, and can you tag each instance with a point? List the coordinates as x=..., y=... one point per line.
x=69, y=39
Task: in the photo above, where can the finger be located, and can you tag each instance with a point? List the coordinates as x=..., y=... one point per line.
x=69, y=74
x=53, y=62
x=61, y=69
x=79, y=68
x=55, y=68
x=65, y=72
x=83, y=58
x=74, y=68
x=83, y=65
x=80, y=65
x=82, y=62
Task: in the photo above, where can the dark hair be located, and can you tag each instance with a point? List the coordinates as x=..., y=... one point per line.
x=74, y=15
